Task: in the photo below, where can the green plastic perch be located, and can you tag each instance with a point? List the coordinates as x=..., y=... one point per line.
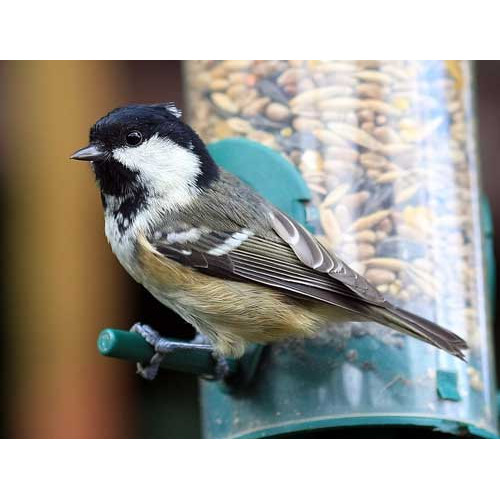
x=186, y=357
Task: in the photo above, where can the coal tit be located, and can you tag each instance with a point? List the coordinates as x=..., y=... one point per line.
x=212, y=249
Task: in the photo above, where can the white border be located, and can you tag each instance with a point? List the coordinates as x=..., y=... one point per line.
x=227, y=29
x=267, y=469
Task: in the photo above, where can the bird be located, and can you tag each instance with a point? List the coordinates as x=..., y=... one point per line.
x=209, y=247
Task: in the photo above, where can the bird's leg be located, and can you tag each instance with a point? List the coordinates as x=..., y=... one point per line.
x=221, y=366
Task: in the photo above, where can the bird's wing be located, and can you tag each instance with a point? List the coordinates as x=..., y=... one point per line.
x=315, y=256
x=295, y=262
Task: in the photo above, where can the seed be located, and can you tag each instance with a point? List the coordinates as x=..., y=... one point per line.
x=370, y=220
x=302, y=124
x=396, y=149
x=379, y=276
x=342, y=153
x=224, y=102
x=355, y=135
x=335, y=195
x=239, y=125
x=255, y=107
x=372, y=160
x=218, y=84
x=386, y=135
x=277, y=112
x=406, y=194
x=331, y=226
x=236, y=65
x=374, y=76
x=339, y=104
x=355, y=200
x=380, y=107
x=389, y=177
x=365, y=236
x=318, y=94
x=365, y=251
x=369, y=90
x=330, y=138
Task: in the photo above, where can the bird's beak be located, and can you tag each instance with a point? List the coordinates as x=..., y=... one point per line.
x=92, y=152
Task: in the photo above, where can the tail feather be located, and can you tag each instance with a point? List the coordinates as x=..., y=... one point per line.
x=425, y=330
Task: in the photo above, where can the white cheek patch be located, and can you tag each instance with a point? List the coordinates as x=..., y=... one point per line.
x=165, y=167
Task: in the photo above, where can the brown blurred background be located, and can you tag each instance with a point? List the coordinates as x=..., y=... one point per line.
x=61, y=283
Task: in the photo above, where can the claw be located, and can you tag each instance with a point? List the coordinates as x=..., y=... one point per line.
x=150, y=371
x=159, y=344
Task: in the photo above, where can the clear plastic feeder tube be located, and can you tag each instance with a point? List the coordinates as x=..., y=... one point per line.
x=388, y=150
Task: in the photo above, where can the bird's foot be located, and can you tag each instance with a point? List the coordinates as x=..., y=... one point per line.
x=150, y=370
x=159, y=344
x=163, y=346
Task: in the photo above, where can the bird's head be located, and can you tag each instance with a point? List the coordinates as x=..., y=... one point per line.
x=148, y=149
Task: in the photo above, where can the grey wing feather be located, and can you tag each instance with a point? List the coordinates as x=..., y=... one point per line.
x=314, y=255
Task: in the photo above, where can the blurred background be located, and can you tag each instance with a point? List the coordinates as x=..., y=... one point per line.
x=61, y=283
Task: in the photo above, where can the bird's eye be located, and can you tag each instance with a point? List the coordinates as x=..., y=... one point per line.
x=134, y=138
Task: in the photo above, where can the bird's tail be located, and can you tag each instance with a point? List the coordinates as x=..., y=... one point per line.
x=423, y=329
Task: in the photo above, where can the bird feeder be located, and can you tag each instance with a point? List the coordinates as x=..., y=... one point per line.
x=379, y=160
x=388, y=152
